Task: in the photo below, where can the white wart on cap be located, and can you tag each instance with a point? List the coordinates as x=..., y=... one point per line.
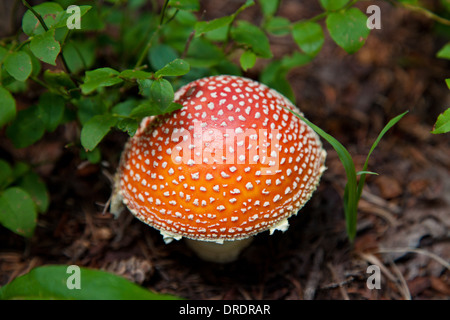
x=230, y=164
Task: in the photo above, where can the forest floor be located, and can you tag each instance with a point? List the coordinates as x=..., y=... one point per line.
x=404, y=214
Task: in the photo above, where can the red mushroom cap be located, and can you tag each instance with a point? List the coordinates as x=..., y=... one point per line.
x=229, y=164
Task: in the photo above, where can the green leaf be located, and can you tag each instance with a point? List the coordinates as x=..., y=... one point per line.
x=64, y=15
x=160, y=55
x=135, y=75
x=17, y=211
x=45, y=47
x=361, y=182
x=348, y=29
x=51, y=110
x=94, y=156
x=6, y=174
x=297, y=59
x=207, y=26
x=162, y=93
x=79, y=54
x=278, y=26
x=444, y=53
x=189, y=5
x=20, y=169
x=247, y=60
x=274, y=74
x=58, y=79
x=442, y=124
x=18, y=65
x=144, y=87
x=3, y=53
x=128, y=125
x=332, y=5
x=124, y=108
x=177, y=67
x=269, y=7
x=204, y=54
x=96, y=129
x=103, y=77
x=49, y=11
x=53, y=282
x=27, y=128
x=8, y=107
x=36, y=188
x=366, y=172
x=309, y=37
x=150, y=108
x=252, y=37
x=89, y=107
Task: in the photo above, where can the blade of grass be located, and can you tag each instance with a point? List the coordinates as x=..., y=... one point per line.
x=374, y=145
x=353, y=190
x=350, y=196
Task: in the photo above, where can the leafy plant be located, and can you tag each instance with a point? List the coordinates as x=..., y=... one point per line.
x=54, y=282
x=22, y=196
x=105, y=80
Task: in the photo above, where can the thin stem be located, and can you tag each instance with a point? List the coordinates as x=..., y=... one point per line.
x=426, y=12
x=188, y=43
x=36, y=14
x=22, y=44
x=146, y=49
x=44, y=25
x=161, y=20
x=173, y=16
x=149, y=43
x=42, y=83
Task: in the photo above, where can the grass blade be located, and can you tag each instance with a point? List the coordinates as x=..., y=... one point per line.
x=350, y=196
x=374, y=145
x=353, y=190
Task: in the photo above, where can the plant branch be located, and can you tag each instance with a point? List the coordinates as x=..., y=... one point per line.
x=149, y=43
x=36, y=14
x=188, y=43
x=44, y=25
x=425, y=12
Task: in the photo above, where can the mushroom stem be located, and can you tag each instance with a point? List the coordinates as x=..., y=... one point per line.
x=225, y=252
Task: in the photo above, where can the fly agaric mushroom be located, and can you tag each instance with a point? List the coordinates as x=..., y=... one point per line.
x=232, y=162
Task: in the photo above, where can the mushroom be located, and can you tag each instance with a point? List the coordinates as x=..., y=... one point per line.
x=231, y=163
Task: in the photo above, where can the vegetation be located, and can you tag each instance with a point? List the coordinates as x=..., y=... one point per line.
x=150, y=54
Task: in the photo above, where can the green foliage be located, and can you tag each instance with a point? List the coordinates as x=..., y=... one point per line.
x=348, y=29
x=45, y=47
x=18, y=211
x=333, y=5
x=99, y=78
x=51, y=283
x=27, y=128
x=8, y=109
x=247, y=60
x=309, y=37
x=442, y=124
x=125, y=63
x=251, y=37
x=176, y=67
x=18, y=65
x=96, y=129
x=22, y=196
